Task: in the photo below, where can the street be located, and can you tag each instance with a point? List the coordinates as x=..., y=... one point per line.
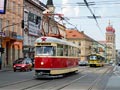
x=100, y=78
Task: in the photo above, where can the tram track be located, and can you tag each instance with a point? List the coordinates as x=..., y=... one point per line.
x=94, y=83
x=42, y=83
x=5, y=85
x=61, y=86
x=91, y=85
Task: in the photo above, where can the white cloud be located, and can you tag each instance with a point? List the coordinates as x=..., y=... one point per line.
x=69, y=10
x=65, y=1
x=77, y=11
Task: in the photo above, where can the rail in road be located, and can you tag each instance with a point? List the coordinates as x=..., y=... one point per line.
x=61, y=83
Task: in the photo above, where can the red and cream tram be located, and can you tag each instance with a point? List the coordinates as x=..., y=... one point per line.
x=54, y=57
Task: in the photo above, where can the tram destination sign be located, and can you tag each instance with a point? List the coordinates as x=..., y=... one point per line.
x=2, y=6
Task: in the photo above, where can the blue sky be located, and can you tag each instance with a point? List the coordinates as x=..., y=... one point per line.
x=109, y=10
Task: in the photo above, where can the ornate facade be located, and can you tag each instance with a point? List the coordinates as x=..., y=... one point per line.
x=110, y=42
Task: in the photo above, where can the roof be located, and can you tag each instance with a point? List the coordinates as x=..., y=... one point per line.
x=110, y=28
x=44, y=39
x=102, y=42
x=75, y=34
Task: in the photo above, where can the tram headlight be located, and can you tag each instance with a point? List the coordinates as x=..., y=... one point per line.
x=42, y=63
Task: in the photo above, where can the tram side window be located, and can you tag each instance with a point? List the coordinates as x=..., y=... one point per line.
x=72, y=51
x=99, y=58
x=60, y=50
x=69, y=51
x=76, y=52
x=65, y=48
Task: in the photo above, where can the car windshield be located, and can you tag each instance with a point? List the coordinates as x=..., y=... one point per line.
x=44, y=50
x=19, y=62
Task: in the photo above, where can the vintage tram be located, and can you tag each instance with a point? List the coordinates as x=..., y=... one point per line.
x=96, y=60
x=55, y=57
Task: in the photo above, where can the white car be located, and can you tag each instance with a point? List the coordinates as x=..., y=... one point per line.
x=83, y=63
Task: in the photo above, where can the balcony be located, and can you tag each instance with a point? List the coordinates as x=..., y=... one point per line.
x=13, y=35
x=10, y=34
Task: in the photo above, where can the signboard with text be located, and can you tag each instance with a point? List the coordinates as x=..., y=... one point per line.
x=34, y=28
x=2, y=6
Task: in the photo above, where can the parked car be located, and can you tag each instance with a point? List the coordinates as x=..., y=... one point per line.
x=18, y=60
x=23, y=64
x=83, y=63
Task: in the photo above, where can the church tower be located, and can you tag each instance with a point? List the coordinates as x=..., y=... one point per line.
x=110, y=42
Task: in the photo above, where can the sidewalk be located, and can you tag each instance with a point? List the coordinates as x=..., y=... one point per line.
x=114, y=81
x=6, y=69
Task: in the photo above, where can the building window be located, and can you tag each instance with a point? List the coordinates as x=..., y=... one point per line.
x=19, y=9
x=25, y=18
x=7, y=23
x=13, y=27
x=19, y=29
x=0, y=23
x=13, y=7
x=8, y=5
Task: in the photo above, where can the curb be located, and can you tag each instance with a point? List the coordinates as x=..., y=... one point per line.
x=5, y=70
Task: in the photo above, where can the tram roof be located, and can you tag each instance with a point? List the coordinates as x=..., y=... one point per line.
x=54, y=40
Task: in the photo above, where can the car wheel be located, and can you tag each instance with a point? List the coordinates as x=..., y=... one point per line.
x=14, y=70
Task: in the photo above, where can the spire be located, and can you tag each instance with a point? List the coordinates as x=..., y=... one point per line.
x=50, y=2
x=50, y=6
x=109, y=22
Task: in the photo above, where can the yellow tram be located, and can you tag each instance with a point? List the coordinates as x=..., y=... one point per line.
x=96, y=60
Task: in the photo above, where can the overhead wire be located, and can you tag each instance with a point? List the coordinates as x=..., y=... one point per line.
x=85, y=1
x=91, y=3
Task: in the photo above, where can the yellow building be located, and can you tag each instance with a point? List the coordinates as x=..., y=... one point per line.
x=11, y=26
x=81, y=40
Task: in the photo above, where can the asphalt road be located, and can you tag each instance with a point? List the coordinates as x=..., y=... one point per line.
x=101, y=78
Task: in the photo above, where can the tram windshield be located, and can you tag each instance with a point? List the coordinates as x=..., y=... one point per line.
x=92, y=57
x=45, y=50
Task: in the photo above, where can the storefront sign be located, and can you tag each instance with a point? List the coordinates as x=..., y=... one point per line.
x=19, y=37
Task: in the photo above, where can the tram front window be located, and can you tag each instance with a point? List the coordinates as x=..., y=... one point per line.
x=44, y=50
x=93, y=57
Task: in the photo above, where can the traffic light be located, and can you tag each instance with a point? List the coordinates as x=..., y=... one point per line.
x=22, y=24
x=2, y=50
